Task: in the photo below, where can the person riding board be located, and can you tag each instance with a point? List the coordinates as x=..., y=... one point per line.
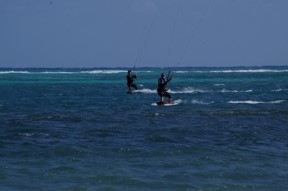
x=130, y=80
x=162, y=84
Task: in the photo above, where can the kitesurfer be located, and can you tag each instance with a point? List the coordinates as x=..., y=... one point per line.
x=162, y=91
x=130, y=80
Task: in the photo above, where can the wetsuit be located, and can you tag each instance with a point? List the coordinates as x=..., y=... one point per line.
x=162, y=83
x=130, y=81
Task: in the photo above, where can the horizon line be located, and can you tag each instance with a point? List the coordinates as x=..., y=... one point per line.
x=126, y=67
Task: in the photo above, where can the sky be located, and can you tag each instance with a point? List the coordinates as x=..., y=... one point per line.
x=143, y=33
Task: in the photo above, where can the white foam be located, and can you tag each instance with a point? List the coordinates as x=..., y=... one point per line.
x=26, y=134
x=147, y=91
x=231, y=71
x=277, y=101
x=178, y=101
x=56, y=72
x=194, y=101
x=184, y=91
x=181, y=72
x=112, y=71
x=14, y=72
x=235, y=91
x=71, y=72
x=245, y=102
x=248, y=71
x=279, y=90
x=256, y=102
x=85, y=72
x=188, y=90
x=219, y=84
x=104, y=71
x=147, y=71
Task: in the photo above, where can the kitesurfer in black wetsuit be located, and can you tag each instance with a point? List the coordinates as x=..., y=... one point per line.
x=162, y=84
x=130, y=80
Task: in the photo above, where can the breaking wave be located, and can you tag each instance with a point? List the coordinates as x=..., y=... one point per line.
x=14, y=72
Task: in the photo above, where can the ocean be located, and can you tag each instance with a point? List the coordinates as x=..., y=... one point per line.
x=76, y=129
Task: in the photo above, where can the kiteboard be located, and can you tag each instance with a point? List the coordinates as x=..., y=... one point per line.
x=165, y=103
x=176, y=102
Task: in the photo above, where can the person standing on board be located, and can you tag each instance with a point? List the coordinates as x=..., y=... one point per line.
x=162, y=91
x=130, y=81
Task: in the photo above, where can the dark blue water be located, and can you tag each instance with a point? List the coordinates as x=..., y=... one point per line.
x=77, y=129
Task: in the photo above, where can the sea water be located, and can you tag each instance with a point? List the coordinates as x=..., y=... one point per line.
x=78, y=129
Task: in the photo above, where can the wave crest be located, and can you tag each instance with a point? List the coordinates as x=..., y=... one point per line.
x=14, y=72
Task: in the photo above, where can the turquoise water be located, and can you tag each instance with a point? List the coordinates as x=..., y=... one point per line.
x=77, y=129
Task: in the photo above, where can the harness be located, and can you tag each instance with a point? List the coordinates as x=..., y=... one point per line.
x=162, y=84
x=130, y=78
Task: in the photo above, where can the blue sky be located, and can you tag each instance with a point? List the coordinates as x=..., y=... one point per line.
x=160, y=33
